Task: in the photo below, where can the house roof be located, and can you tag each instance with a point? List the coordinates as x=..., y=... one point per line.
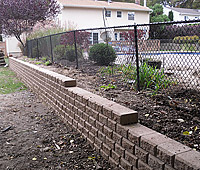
x=186, y=11
x=103, y=4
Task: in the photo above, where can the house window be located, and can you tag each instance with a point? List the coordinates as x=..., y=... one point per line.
x=121, y=37
x=108, y=14
x=119, y=14
x=131, y=15
x=186, y=18
x=90, y=38
x=95, y=38
x=116, y=36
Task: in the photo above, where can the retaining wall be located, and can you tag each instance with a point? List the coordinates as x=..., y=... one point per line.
x=109, y=127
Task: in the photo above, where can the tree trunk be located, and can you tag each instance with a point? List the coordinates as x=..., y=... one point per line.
x=23, y=47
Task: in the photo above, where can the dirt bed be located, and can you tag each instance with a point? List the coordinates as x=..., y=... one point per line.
x=174, y=112
x=33, y=137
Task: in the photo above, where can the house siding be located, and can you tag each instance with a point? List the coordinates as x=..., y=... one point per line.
x=180, y=16
x=83, y=18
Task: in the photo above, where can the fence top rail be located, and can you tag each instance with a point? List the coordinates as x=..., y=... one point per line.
x=122, y=26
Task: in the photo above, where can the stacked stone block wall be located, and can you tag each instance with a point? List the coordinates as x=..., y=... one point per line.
x=110, y=128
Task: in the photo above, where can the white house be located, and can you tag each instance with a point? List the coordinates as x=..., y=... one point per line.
x=90, y=13
x=82, y=14
x=182, y=14
x=94, y=14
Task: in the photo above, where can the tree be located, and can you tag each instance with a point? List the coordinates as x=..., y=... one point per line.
x=19, y=16
x=82, y=39
x=171, y=16
x=156, y=31
x=193, y=4
x=157, y=14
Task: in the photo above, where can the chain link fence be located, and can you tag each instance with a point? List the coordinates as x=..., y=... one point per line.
x=167, y=52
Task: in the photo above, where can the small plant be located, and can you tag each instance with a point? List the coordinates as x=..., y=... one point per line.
x=102, y=54
x=47, y=63
x=44, y=59
x=109, y=86
x=38, y=63
x=152, y=78
x=109, y=70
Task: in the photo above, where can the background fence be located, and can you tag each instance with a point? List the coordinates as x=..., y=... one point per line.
x=173, y=48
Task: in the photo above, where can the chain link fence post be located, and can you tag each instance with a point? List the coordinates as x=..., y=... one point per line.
x=38, y=57
x=27, y=48
x=31, y=42
x=52, y=60
x=137, y=58
x=75, y=47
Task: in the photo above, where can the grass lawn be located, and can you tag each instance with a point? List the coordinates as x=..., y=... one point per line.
x=9, y=82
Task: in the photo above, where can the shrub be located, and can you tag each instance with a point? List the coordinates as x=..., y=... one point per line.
x=70, y=53
x=189, y=47
x=102, y=54
x=59, y=52
x=150, y=77
x=172, y=31
x=186, y=39
x=66, y=52
x=41, y=30
x=82, y=39
x=35, y=53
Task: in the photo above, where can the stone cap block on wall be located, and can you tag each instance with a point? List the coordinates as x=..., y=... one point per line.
x=116, y=112
x=188, y=159
x=59, y=78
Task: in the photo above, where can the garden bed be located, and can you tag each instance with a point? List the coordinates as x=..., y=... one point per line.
x=174, y=112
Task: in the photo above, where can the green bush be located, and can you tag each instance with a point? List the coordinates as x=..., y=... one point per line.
x=150, y=77
x=102, y=54
x=70, y=53
x=189, y=47
x=42, y=31
x=66, y=52
x=36, y=53
x=59, y=52
x=186, y=39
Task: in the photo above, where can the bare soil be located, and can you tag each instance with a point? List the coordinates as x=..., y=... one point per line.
x=34, y=137
x=174, y=112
